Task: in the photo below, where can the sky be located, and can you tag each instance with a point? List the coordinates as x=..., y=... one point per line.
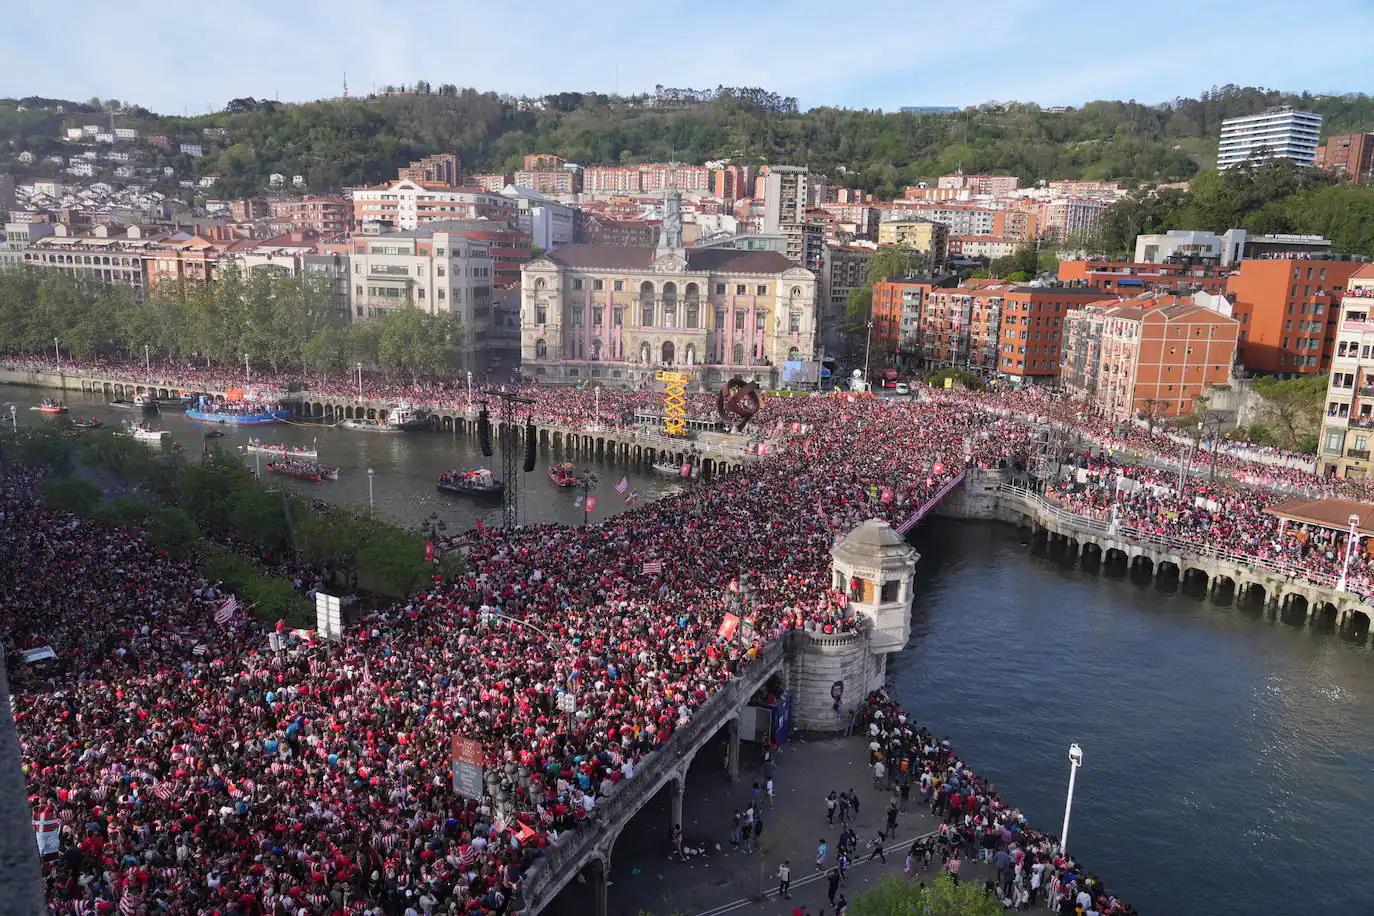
x=884, y=54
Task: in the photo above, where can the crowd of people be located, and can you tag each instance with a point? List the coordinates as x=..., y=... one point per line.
x=197, y=767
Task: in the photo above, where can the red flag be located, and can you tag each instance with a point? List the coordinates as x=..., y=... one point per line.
x=429, y=551
x=728, y=625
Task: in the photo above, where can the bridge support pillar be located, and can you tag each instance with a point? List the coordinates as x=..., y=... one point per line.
x=598, y=879
x=679, y=791
x=732, y=755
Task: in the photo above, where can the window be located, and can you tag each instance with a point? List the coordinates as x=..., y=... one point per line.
x=762, y=289
x=441, y=270
x=441, y=294
x=422, y=292
x=720, y=289
x=576, y=282
x=794, y=322
x=740, y=289
x=541, y=314
x=598, y=315
x=619, y=317
x=541, y=349
x=618, y=287
x=720, y=319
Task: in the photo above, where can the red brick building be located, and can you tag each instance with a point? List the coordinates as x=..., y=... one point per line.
x=1288, y=310
x=321, y=214
x=1350, y=154
x=1130, y=278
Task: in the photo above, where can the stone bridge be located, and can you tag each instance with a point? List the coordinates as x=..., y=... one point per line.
x=1296, y=594
x=587, y=849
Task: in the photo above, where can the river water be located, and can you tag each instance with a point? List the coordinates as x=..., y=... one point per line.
x=405, y=465
x=1227, y=756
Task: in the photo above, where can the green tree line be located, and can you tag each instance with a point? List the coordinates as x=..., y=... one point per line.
x=278, y=322
x=342, y=142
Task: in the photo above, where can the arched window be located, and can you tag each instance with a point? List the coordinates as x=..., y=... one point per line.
x=541, y=349
x=646, y=305
x=670, y=305
x=692, y=299
x=596, y=348
x=667, y=352
x=645, y=352
x=738, y=355
x=793, y=353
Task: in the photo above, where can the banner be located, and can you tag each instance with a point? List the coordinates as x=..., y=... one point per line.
x=729, y=624
x=42, y=653
x=429, y=551
x=469, y=779
x=591, y=503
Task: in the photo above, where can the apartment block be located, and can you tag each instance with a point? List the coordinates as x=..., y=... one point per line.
x=430, y=269
x=549, y=181
x=1066, y=219
x=1155, y=354
x=785, y=195
x=923, y=235
x=733, y=182
x=984, y=185
x=494, y=181
x=1347, y=433
x=542, y=162
x=1352, y=155
x=896, y=315
x=441, y=168
x=1279, y=133
x=1288, y=310
x=323, y=215
x=405, y=204
x=844, y=268
x=1131, y=278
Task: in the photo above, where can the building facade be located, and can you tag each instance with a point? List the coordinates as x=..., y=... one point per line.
x=1150, y=356
x=1352, y=155
x=404, y=204
x=983, y=185
x=923, y=235
x=785, y=196
x=440, y=168
x=844, y=268
x=1279, y=133
x=1131, y=278
x=896, y=315
x=1347, y=433
x=1288, y=310
x=620, y=314
x=428, y=269
x=549, y=181
x=323, y=215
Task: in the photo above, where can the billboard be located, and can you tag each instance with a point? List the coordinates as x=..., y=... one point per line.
x=800, y=372
x=468, y=778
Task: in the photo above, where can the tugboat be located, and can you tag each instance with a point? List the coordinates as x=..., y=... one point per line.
x=406, y=418
x=479, y=482
x=303, y=470
x=563, y=475
x=51, y=406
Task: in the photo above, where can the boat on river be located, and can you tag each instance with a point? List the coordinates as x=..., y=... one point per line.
x=563, y=475
x=80, y=423
x=400, y=418
x=475, y=482
x=50, y=406
x=145, y=433
x=670, y=468
x=280, y=448
x=138, y=402
x=303, y=470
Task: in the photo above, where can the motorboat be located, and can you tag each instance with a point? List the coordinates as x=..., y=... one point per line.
x=279, y=448
x=214, y=434
x=145, y=433
x=369, y=426
x=563, y=475
x=50, y=406
x=139, y=402
x=92, y=423
x=406, y=418
x=303, y=470
x=668, y=467
x=476, y=482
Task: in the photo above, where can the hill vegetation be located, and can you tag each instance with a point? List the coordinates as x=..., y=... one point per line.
x=342, y=142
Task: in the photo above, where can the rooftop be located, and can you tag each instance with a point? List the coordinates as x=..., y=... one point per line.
x=721, y=260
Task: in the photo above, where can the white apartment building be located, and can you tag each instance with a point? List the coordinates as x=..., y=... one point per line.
x=428, y=269
x=548, y=222
x=1279, y=133
x=1348, y=422
x=405, y=204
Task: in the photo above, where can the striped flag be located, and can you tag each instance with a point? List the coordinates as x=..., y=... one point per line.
x=227, y=610
x=653, y=567
x=164, y=791
x=200, y=649
x=623, y=485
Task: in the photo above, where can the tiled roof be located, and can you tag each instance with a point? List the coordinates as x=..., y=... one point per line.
x=720, y=260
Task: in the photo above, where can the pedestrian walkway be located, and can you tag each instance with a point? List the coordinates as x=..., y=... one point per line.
x=646, y=878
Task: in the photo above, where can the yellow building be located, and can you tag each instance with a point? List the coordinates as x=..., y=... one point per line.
x=923, y=235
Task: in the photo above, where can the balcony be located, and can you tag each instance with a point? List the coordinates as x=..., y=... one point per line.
x=1362, y=422
x=1360, y=453
x=1356, y=324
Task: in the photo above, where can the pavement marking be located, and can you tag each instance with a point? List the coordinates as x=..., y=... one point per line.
x=768, y=895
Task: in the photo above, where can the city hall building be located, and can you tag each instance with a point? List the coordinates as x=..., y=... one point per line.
x=618, y=315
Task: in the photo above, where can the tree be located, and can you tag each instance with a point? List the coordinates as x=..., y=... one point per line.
x=896, y=896
x=894, y=262
x=419, y=343
x=1292, y=409
x=859, y=308
x=70, y=494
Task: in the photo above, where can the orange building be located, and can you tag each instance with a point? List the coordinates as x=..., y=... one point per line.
x=896, y=314
x=1134, y=277
x=1154, y=355
x=1288, y=309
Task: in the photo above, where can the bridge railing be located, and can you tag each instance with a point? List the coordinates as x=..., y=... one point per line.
x=929, y=505
x=560, y=861
x=1094, y=525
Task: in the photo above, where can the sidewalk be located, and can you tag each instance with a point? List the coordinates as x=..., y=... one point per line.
x=645, y=880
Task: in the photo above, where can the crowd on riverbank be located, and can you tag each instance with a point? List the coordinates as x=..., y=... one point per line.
x=1206, y=516
x=193, y=768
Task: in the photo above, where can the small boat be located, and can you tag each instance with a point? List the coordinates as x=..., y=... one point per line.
x=669, y=467
x=214, y=434
x=286, y=451
x=145, y=433
x=406, y=418
x=370, y=426
x=49, y=405
x=146, y=403
x=92, y=423
x=479, y=482
x=303, y=470
x=563, y=475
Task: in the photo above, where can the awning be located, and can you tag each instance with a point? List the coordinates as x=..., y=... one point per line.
x=1332, y=514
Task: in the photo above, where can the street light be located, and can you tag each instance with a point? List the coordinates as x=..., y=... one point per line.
x=57, y=355
x=469, y=389
x=1075, y=761
x=1183, y=468
x=370, y=474
x=868, y=350
x=247, y=370
x=360, y=381
x=14, y=418
x=1352, y=541
x=147, y=362
x=587, y=483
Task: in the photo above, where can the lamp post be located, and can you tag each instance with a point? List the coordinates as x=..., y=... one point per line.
x=587, y=483
x=360, y=381
x=247, y=370
x=868, y=351
x=1183, y=468
x=469, y=389
x=57, y=355
x=433, y=528
x=370, y=474
x=1075, y=761
x=14, y=418
x=1116, y=489
x=147, y=362
x=1352, y=540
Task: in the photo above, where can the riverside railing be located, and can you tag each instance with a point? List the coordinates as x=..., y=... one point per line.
x=1177, y=545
